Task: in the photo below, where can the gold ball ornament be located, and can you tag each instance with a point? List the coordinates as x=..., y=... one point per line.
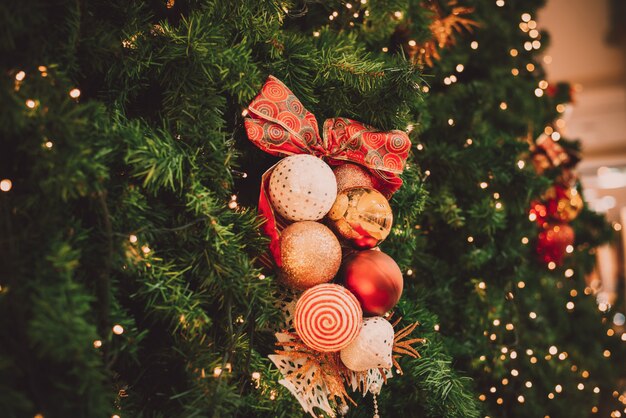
x=362, y=216
x=310, y=255
x=563, y=203
x=352, y=175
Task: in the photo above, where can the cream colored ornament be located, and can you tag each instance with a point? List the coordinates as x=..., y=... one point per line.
x=302, y=188
x=372, y=347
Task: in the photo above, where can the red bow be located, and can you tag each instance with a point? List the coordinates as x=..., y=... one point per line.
x=279, y=124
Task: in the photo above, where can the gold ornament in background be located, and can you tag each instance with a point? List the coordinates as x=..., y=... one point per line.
x=563, y=203
x=443, y=30
x=352, y=175
x=362, y=216
x=310, y=255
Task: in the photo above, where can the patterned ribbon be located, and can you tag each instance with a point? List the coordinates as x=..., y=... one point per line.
x=280, y=125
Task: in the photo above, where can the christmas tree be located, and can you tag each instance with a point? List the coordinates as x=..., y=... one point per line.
x=132, y=281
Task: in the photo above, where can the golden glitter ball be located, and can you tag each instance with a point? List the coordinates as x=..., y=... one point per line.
x=563, y=203
x=362, y=216
x=352, y=175
x=310, y=255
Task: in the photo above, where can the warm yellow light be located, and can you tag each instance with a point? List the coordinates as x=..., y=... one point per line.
x=385, y=49
x=606, y=353
x=533, y=360
x=348, y=5
x=500, y=3
x=217, y=372
x=526, y=17
x=509, y=327
x=533, y=33
x=256, y=375
x=528, y=384
x=513, y=52
x=553, y=350
x=532, y=24
x=492, y=389
x=505, y=381
x=547, y=59
x=521, y=164
x=551, y=265
x=569, y=249
x=573, y=293
x=532, y=315
x=550, y=395
x=398, y=14
x=460, y=68
x=115, y=416
x=145, y=249
x=469, y=141
x=30, y=103
x=580, y=386
x=594, y=410
x=560, y=108
x=132, y=238
x=514, y=71
x=536, y=44
x=453, y=78
x=436, y=327
x=538, y=92
x=20, y=76
x=513, y=355
x=482, y=285
x=503, y=106
x=514, y=372
x=556, y=136
x=74, y=93
x=524, y=240
x=617, y=226
x=499, y=205
x=482, y=397
x=520, y=399
x=568, y=273
x=496, y=195
x=484, y=185
x=558, y=388
x=470, y=239
x=530, y=67
x=412, y=43
x=6, y=185
x=492, y=337
x=447, y=81
x=118, y=329
x=316, y=34
x=528, y=45
x=569, y=305
x=97, y=344
x=474, y=45
x=499, y=401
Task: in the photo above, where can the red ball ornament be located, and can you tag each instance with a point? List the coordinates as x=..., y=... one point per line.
x=375, y=279
x=553, y=242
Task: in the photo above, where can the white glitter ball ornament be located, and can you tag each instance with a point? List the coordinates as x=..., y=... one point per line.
x=302, y=188
x=372, y=347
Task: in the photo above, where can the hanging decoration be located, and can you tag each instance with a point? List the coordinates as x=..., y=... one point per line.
x=326, y=346
x=443, y=30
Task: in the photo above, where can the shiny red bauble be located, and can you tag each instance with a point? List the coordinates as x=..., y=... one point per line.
x=553, y=241
x=375, y=279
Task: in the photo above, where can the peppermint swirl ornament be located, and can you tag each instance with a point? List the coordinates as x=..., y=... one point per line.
x=328, y=317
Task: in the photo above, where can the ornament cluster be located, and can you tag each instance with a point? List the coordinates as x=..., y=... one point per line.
x=325, y=225
x=330, y=253
x=558, y=206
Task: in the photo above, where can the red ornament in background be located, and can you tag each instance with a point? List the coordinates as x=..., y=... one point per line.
x=375, y=279
x=553, y=242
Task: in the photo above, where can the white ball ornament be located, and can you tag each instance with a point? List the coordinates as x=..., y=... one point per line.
x=302, y=188
x=372, y=348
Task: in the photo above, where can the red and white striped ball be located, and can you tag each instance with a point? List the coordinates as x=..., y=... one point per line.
x=328, y=317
